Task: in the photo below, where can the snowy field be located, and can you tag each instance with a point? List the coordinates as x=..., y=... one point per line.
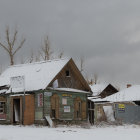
x=127, y=132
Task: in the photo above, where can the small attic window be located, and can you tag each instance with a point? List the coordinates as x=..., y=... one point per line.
x=67, y=73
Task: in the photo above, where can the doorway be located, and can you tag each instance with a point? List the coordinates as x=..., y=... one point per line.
x=91, y=112
x=16, y=111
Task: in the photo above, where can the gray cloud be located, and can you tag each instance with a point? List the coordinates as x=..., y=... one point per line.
x=106, y=32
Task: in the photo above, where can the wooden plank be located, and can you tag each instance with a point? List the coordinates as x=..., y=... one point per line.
x=29, y=113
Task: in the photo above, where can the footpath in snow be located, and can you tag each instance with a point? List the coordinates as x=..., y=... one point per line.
x=126, y=132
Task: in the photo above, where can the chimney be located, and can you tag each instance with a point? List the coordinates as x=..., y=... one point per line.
x=129, y=85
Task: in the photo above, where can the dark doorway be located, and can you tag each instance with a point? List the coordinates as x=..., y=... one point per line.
x=16, y=111
x=55, y=106
x=91, y=112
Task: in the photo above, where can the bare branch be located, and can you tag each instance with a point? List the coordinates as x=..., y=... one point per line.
x=8, y=38
x=4, y=47
x=61, y=55
x=42, y=55
x=19, y=47
x=14, y=38
x=95, y=78
x=46, y=50
x=11, y=44
x=81, y=64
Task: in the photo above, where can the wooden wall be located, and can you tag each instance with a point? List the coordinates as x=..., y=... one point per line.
x=46, y=109
x=29, y=113
x=108, y=91
x=75, y=80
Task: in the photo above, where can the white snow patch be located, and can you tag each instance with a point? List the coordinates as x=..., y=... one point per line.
x=72, y=90
x=126, y=132
x=109, y=113
x=98, y=88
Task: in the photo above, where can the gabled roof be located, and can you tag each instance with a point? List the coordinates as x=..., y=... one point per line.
x=37, y=75
x=126, y=95
x=97, y=88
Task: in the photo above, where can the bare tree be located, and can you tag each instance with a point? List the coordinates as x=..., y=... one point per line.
x=89, y=81
x=46, y=51
x=11, y=48
x=0, y=69
x=61, y=55
x=37, y=58
x=31, y=59
x=95, y=78
x=82, y=64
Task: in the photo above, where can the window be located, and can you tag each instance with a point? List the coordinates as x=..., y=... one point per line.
x=2, y=107
x=67, y=73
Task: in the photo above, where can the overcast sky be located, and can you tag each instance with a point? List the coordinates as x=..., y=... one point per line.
x=105, y=32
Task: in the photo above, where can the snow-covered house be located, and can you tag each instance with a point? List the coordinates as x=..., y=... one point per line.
x=54, y=89
x=102, y=90
x=98, y=91
x=125, y=104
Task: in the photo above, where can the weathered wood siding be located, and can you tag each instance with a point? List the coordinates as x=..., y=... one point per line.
x=74, y=80
x=46, y=108
x=108, y=91
x=29, y=113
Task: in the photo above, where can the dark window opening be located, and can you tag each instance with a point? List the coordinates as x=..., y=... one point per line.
x=67, y=73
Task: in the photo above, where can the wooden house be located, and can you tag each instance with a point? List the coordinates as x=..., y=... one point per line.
x=125, y=106
x=98, y=91
x=53, y=90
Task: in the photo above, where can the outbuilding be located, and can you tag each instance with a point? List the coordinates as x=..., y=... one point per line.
x=125, y=105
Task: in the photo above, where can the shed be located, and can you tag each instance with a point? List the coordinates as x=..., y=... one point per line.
x=98, y=91
x=126, y=104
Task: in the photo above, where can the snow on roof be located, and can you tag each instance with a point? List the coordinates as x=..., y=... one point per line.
x=126, y=95
x=3, y=91
x=72, y=90
x=37, y=75
x=98, y=88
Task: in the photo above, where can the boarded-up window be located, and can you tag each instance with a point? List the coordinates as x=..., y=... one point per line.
x=77, y=108
x=2, y=110
x=84, y=107
x=2, y=107
x=80, y=109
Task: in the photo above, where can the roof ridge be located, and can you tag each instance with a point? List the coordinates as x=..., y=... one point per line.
x=40, y=62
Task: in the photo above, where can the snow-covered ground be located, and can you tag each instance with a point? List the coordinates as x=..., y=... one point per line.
x=127, y=132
